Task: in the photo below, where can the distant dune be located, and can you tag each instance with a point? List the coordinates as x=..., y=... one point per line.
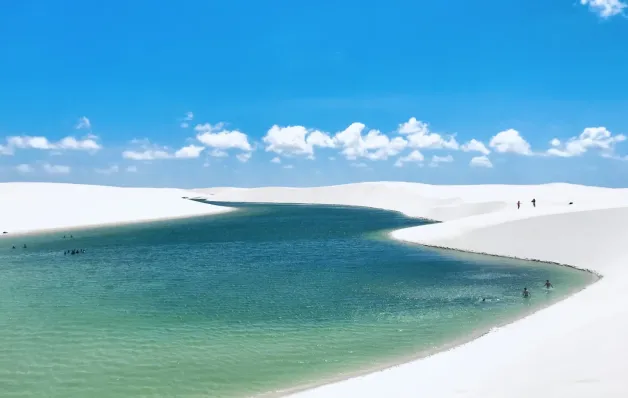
x=29, y=207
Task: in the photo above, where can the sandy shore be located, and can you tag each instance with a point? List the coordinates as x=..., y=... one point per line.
x=36, y=207
x=574, y=348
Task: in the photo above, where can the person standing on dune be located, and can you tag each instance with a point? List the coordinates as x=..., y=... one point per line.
x=534, y=202
x=518, y=204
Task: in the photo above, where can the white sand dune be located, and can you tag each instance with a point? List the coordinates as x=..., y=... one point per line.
x=575, y=348
x=30, y=207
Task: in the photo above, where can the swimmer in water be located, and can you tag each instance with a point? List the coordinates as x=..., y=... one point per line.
x=548, y=284
x=526, y=292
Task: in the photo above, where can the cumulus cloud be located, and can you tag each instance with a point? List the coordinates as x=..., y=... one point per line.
x=83, y=123
x=24, y=168
x=288, y=166
x=591, y=138
x=215, y=136
x=475, y=146
x=419, y=136
x=189, y=116
x=88, y=143
x=56, y=169
x=109, y=170
x=605, y=8
x=189, y=152
x=481, y=161
x=149, y=151
x=359, y=165
x=373, y=146
x=436, y=160
x=414, y=157
x=131, y=169
x=510, y=141
x=295, y=140
x=276, y=160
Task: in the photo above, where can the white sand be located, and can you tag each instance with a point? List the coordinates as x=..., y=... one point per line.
x=575, y=348
x=31, y=207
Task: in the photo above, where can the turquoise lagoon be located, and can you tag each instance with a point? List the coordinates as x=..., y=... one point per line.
x=267, y=298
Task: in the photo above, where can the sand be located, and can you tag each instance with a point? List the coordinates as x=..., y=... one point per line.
x=34, y=207
x=573, y=349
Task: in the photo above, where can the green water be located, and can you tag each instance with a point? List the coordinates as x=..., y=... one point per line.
x=265, y=298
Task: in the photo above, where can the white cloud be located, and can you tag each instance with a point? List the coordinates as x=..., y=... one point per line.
x=481, y=161
x=276, y=160
x=56, y=169
x=189, y=152
x=320, y=139
x=605, y=8
x=373, y=146
x=296, y=140
x=288, y=166
x=109, y=170
x=149, y=151
x=83, y=123
x=510, y=141
x=218, y=153
x=217, y=137
x=24, y=168
x=148, y=154
x=436, y=160
x=475, y=146
x=590, y=138
x=131, y=169
x=189, y=116
x=30, y=142
x=419, y=136
x=414, y=157
x=359, y=165
x=244, y=157
x=88, y=143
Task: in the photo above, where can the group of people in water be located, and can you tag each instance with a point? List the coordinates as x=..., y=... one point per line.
x=65, y=252
x=533, y=203
x=548, y=285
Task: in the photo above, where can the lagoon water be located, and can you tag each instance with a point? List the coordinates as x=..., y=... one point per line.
x=266, y=298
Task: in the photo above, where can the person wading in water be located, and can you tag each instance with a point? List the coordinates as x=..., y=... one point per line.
x=526, y=292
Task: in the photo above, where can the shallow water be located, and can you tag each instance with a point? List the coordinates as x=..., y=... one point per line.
x=265, y=298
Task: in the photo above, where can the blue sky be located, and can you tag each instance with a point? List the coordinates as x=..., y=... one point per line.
x=248, y=93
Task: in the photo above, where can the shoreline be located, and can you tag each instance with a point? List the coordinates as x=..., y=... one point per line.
x=447, y=347
x=46, y=231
